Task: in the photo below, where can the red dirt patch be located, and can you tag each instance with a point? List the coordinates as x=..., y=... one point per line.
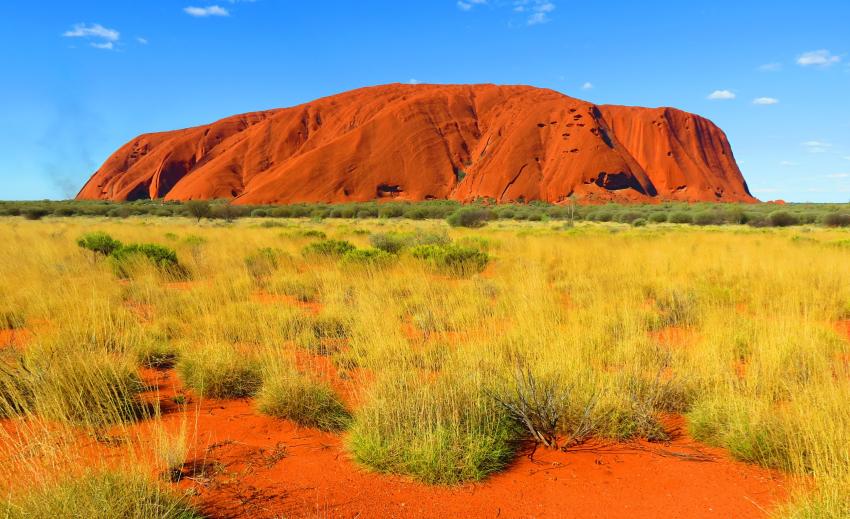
x=843, y=327
x=249, y=465
x=243, y=476
x=674, y=336
x=15, y=338
x=243, y=464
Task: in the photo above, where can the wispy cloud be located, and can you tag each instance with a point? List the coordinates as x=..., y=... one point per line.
x=721, y=95
x=414, y=81
x=839, y=175
x=788, y=163
x=100, y=37
x=467, y=5
x=770, y=67
x=95, y=30
x=817, y=146
x=143, y=41
x=204, y=12
x=765, y=101
x=538, y=10
x=587, y=85
x=818, y=58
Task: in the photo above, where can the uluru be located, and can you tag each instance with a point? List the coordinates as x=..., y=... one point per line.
x=423, y=142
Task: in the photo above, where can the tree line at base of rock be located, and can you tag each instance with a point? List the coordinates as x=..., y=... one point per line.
x=457, y=214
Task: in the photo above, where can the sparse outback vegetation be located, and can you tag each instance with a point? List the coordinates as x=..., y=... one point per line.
x=440, y=365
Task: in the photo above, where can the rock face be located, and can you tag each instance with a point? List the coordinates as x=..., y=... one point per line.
x=418, y=142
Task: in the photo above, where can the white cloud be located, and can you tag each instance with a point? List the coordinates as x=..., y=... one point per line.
x=95, y=30
x=414, y=81
x=819, y=58
x=770, y=67
x=721, y=95
x=817, y=146
x=203, y=12
x=538, y=10
x=848, y=158
x=839, y=175
x=102, y=37
x=788, y=163
x=467, y=5
x=143, y=41
x=587, y=85
x=765, y=101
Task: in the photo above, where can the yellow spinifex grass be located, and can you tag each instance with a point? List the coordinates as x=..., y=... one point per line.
x=733, y=327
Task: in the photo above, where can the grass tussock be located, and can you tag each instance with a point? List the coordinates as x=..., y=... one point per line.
x=220, y=371
x=103, y=495
x=293, y=396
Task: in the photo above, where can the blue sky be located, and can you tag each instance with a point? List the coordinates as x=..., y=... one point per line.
x=83, y=77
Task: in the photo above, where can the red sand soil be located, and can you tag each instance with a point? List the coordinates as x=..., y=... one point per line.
x=249, y=465
x=419, y=142
x=14, y=338
x=675, y=336
x=843, y=327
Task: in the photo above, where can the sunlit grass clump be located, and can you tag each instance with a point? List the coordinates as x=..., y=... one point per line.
x=432, y=431
x=291, y=395
x=99, y=495
x=220, y=371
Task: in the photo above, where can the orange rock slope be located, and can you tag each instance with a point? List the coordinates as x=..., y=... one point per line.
x=417, y=142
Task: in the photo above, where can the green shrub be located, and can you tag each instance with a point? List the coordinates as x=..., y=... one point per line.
x=390, y=242
x=708, y=218
x=452, y=260
x=629, y=216
x=658, y=217
x=640, y=222
x=680, y=217
x=163, y=258
x=368, y=257
x=390, y=211
x=604, y=215
x=259, y=213
x=99, y=243
x=470, y=217
x=198, y=209
x=34, y=213
x=99, y=495
x=328, y=248
x=837, y=220
x=440, y=237
x=292, y=396
x=220, y=371
x=119, y=212
x=782, y=219
x=313, y=233
x=262, y=263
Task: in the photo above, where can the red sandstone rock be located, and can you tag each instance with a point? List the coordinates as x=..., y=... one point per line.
x=416, y=142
